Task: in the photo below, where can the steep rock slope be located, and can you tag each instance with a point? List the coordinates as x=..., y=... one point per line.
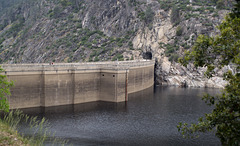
x=36, y=31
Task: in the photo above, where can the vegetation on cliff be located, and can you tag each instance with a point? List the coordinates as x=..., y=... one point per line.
x=34, y=31
x=216, y=52
x=191, y=18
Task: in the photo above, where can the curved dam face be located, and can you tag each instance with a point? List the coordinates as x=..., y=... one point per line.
x=44, y=85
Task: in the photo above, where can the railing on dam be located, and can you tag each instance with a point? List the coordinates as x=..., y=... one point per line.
x=72, y=83
x=87, y=65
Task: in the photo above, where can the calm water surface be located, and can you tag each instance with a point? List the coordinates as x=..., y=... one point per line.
x=148, y=118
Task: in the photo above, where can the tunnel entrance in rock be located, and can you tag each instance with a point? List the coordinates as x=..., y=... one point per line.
x=147, y=55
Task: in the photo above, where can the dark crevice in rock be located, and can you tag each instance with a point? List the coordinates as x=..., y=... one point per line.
x=147, y=55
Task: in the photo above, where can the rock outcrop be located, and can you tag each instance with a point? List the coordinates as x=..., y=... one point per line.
x=87, y=30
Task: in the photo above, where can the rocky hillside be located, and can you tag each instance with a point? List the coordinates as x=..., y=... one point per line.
x=37, y=31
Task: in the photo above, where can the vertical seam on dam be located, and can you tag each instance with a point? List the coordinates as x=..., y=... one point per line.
x=73, y=85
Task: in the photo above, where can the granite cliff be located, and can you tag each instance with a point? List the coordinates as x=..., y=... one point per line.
x=37, y=31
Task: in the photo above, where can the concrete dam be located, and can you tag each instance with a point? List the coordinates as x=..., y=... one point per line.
x=45, y=85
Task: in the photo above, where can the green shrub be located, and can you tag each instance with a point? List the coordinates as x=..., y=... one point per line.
x=170, y=50
x=187, y=16
x=173, y=57
x=118, y=57
x=208, y=24
x=220, y=4
x=88, y=44
x=94, y=53
x=65, y=3
x=2, y=40
x=130, y=44
x=166, y=5
x=120, y=41
x=70, y=17
x=99, y=32
x=211, y=9
x=189, y=8
x=84, y=39
x=90, y=59
x=141, y=15
x=215, y=15
x=149, y=15
x=186, y=38
x=56, y=12
x=179, y=31
x=69, y=44
x=96, y=59
x=47, y=48
x=94, y=41
x=114, y=58
x=132, y=2
x=131, y=57
x=121, y=59
x=15, y=28
x=75, y=49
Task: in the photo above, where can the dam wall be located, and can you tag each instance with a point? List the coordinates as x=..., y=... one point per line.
x=45, y=85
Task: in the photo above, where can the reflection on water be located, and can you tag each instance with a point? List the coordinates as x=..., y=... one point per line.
x=148, y=118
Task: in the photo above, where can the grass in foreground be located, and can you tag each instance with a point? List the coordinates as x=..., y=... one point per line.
x=9, y=136
x=37, y=127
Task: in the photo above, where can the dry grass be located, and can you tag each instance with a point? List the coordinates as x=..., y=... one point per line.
x=39, y=129
x=9, y=137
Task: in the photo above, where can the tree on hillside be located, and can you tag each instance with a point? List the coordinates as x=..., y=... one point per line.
x=216, y=52
x=4, y=91
x=175, y=15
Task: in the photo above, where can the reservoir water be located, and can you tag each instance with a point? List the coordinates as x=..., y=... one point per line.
x=149, y=118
